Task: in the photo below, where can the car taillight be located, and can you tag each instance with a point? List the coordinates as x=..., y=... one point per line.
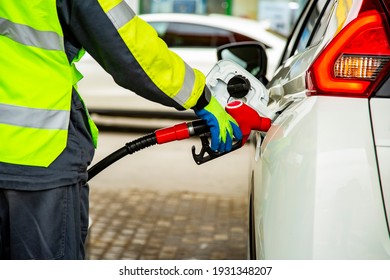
x=354, y=60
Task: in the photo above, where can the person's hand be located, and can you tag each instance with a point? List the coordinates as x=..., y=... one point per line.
x=222, y=126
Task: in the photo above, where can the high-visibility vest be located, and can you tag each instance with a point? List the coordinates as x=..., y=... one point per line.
x=36, y=81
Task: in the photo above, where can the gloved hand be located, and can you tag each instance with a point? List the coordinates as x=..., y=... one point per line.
x=222, y=126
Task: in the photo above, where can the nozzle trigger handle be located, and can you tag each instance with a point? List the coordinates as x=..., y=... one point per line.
x=206, y=153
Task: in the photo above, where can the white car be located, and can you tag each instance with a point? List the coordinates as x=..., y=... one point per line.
x=195, y=38
x=320, y=177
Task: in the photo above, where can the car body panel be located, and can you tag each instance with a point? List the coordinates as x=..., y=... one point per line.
x=320, y=176
x=381, y=128
x=327, y=203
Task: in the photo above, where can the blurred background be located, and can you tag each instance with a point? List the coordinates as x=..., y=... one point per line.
x=280, y=13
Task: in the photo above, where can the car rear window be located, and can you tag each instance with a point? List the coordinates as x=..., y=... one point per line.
x=313, y=25
x=308, y=28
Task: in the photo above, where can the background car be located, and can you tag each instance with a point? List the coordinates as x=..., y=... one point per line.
x=194, y=38
x=320, y=180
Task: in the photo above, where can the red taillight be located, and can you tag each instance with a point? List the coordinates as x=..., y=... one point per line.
x=354, y=60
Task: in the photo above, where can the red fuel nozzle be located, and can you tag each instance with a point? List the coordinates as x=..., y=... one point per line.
x=247, y=118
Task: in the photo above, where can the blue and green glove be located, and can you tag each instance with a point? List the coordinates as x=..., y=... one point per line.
x=223, y=128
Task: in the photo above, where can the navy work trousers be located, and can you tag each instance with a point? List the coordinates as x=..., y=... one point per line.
x=43, y=225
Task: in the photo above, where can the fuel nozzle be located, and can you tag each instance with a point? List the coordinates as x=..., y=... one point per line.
x=247, y=118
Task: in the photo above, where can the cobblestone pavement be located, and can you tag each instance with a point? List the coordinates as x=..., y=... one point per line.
x=139, y=224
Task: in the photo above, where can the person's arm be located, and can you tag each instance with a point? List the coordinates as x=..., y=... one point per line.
x=130, y=50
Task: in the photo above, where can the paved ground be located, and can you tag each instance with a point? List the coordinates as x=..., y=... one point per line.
x=138, y=224
x=158, y=204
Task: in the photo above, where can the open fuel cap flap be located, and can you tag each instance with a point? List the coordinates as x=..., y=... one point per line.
x=228, y=81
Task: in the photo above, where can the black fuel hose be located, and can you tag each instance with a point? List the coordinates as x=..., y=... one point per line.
x=177, y=132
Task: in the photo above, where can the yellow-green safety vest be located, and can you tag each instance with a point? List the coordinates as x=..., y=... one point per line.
x=36, y=81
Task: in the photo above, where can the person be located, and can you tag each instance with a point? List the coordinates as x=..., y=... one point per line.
x=47, y=137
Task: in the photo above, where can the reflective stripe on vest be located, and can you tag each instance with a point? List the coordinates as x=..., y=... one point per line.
x=29, y=36
x=33, y=118
x=36, y=83
x=183, y=84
